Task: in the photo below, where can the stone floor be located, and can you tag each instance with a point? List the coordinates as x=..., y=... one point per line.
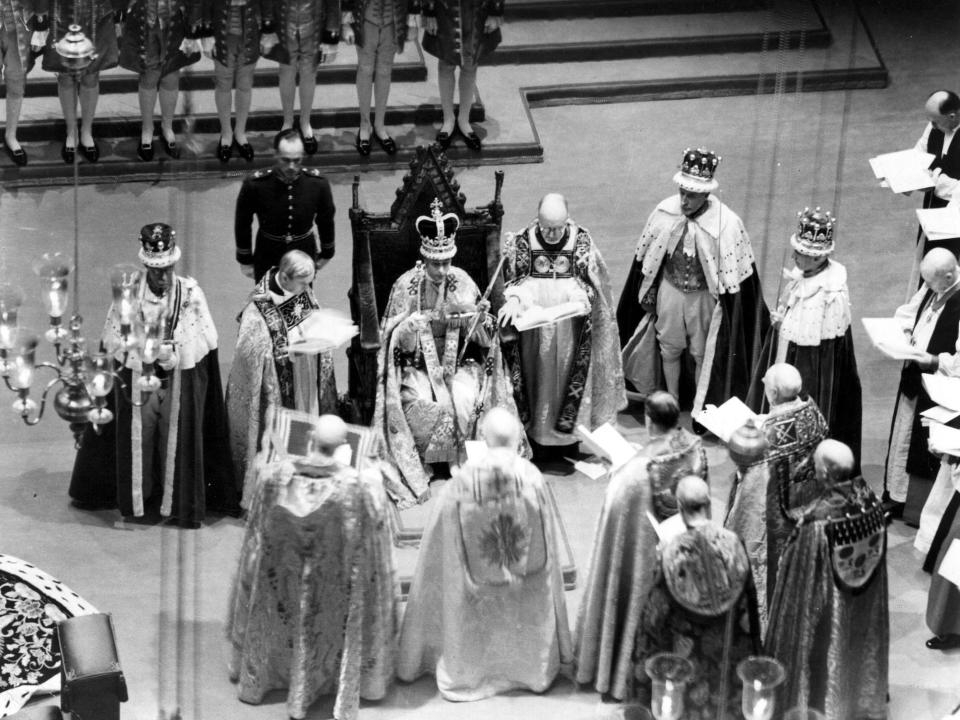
x=614, y=162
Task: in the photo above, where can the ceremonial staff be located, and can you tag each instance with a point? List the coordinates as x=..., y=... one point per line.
x=486, y=294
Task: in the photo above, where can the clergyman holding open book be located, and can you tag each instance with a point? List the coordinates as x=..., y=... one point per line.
x=566, y=367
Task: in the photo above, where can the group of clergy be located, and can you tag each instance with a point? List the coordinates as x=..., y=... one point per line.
x=799, y=568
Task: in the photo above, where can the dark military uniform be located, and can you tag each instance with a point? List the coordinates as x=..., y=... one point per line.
x=286, y=213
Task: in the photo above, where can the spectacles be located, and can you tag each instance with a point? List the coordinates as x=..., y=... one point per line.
x=555, y=231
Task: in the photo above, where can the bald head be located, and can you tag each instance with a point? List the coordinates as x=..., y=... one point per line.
x=833, y=461
x=939, y=269
x=328, y=434
x=501, y=429
x=552, y=217
x=782, y=383
x=943, y=110
x=693, y=499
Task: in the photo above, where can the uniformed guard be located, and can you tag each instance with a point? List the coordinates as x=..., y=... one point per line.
x=287, y=200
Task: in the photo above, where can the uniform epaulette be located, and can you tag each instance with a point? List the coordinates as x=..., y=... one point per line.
x=260, y=174
x=312, y=172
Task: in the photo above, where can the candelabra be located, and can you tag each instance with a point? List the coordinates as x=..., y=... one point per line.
x=85, y=379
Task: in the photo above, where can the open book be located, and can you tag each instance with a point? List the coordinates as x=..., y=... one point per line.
x=887, y=336
x=940, y=223
x=904, y=170
x=606, y=442
x=943, y=390
x=724, y=419
x=322, y=330
x=538, y=316
x=669, y=528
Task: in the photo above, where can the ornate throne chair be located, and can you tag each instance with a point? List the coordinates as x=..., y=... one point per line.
x=385, y=245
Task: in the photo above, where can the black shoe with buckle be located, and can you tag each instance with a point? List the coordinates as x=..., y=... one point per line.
x=387, y=144
x=471, y=140
x=170, y=147
x=18, y=157
x=444, y=139
x=362, y=145
x=310, y=145
x=90, y=152
x=68, y=154
x=246, y=151
x=145, y=151
x=224, y=152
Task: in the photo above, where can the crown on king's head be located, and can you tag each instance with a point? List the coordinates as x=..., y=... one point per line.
x=699, y=163
x=438, y=233
x=814, y=235
x=158, y=245
x=696, y=171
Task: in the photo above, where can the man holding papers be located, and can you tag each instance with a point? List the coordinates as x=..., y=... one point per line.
x=792, y=430
x=693, y=288
x=264, y=370
x=624, y=555
x=565, y=372
x=930, y=320
x=943, y=112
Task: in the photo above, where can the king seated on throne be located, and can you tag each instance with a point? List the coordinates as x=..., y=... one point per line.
x=439, y=365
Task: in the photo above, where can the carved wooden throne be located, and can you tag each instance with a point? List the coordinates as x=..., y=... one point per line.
x=385, y=245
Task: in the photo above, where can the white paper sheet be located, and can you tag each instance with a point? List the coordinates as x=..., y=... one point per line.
x=950, y=565
x=608, y=443
x=669, y=528
x=944, y=439
x=943, y=390
x=887, y=336
x=904, y=170
x=723, y=420
x=538, y=316
x=594, y=471
x=940, y=223
x=322, y=330
x=940, y=414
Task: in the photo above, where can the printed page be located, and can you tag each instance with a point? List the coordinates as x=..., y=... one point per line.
x=888, y=337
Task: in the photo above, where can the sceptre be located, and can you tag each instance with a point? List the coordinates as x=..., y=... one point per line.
x=486, y=294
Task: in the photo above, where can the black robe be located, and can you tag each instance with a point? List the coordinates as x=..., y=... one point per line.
x=203, y=474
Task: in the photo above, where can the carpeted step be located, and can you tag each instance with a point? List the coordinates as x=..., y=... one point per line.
x=409, y=66
x=260, y=121
x=563, y=9
x=552, y=41
x=337, y=153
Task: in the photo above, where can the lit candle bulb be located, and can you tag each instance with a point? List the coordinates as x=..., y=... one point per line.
x=98, y=386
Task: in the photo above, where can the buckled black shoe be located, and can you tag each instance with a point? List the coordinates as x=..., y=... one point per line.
x=68, y=153
x=387, y=144
x=310, y=145
x=224, y=152
x=444, y=139
x=18, y=157
x=170, y=148
x=145, y=151
x=471, y=140
x=363, y=146
x=90, y=152
x=246, y=151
